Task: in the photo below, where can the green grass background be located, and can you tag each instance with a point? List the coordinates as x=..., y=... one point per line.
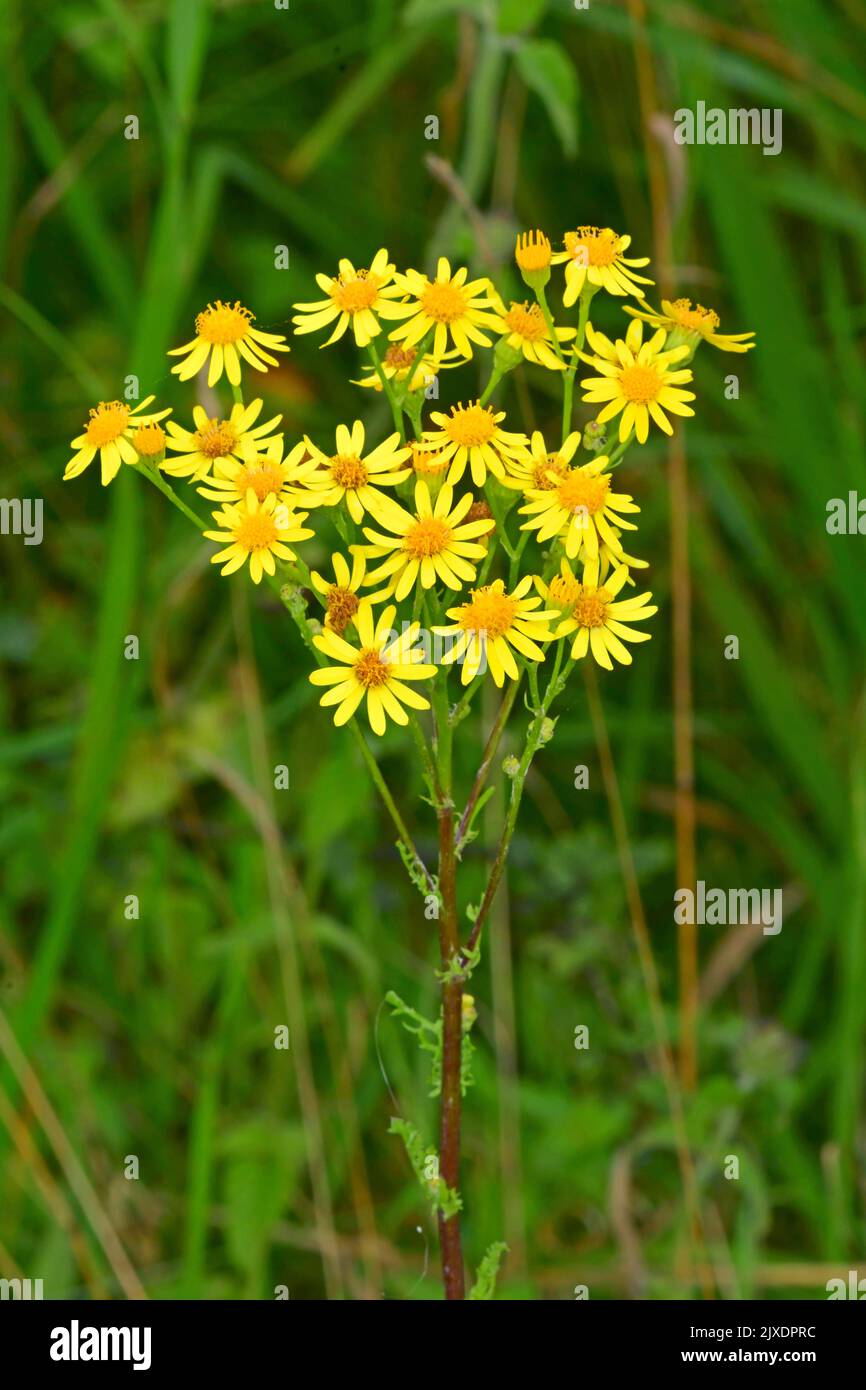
x=154, y=1038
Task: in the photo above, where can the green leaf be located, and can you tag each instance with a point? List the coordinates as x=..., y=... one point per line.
x=515, y=16
x=485, y=1280
x=548, y=71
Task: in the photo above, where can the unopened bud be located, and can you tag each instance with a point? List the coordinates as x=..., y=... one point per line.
x=511, y=765
x=594, y=436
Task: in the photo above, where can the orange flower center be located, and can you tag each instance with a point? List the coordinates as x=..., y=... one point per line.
x=554, y=463
x=107, y=423
x=443, y=302
x=563, y=592
x=580, y=492
x=590, y=608
x=532, y=251
x=429, y=536
x=263, y=477
x=257, y=531
x=348, y=471
x=358, y=292
x=471, y=425
x=370, y=670
x=640, y=384
x=480, y=511
x=400, y=358
x=491, y=611
x=697, y=320
x=526, y=322
x=223, y=323
x=148, y=441
x=342, y=607
x=217, y=439
x=597, y=246
x=427, y=463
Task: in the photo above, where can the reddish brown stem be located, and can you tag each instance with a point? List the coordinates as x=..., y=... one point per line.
x=452, y=1041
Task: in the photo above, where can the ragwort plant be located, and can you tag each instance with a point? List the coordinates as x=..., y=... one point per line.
x=469, y=551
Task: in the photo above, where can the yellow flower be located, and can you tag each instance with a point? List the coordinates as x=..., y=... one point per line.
x=471, y=434
x=533, y=253
x=449, y=305
x=350, y=474
x=402, y=364
x=435, y=543
x=636, y=378
x=224, y=333
x=149, y=440
x=490, y=624
x=214, y=443
x=599, y=619
x=109, y=432
x=596, y=255
x=523, y=328
x=693, y=324
x=378, y=669
x=580, y=510
x=341, y=597
x=539, y=469
x=257, y=532
x=428, y=465
x=356, y=297
x=268, y=474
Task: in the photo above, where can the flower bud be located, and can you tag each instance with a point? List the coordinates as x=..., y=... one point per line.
x=532, y=254
x=594, y=437
x=511, y=766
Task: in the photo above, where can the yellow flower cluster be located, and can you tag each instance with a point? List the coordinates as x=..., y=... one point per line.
x=466, y=529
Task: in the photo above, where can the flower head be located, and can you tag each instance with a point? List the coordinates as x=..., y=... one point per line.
x=490, y=624
x=452, y=306
x=580, y=509
x=267, y=473
x=405, y=366
x=539, y=469
x=356, y=297
x=341, y=596
x=215, y=443
x=692, y=325
x=638, y=379
x=472, y=434
x=437, y=543
x=149, y=440
x=376, y=671
x=596, y=255
x=224, y=334
x=532, y=254
x=356, y=477
x=256, y=532
x=524, y=328
x=601, y=622
x=110, y=432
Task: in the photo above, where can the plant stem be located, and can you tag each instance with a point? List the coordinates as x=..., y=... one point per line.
x=534, y=740
x=568, y=389
x=452, y=997
x=154, y=476
x=492, y=383
x=487, y=758
x=452, y=1041
x=384, y=792
x=389, y=392
x=543, y=305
